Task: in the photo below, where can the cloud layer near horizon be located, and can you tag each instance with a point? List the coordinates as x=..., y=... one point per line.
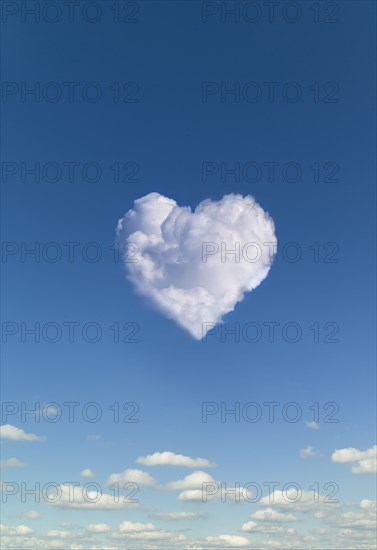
x=178, y=258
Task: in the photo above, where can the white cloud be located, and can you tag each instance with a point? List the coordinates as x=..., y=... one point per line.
x=7, y=431
x=299, y=500
x=54, y=533
x=146, y=532
x=11, y=463
x=365, y=466
x=132, y=476
x=98, y=528
x=313, y=425
x=227, y=541
x=176, y=515
x=31, y=514
x=93, y=437
x=366, y=461
x=352, y=455
x=308, y=452
x=201, y=487
x=130, y=527
x=168, y=458
x=15, y=531
x=86, y=473
x=194, y=495
x=70, y=496
x=268, y=514
x=366, y=504
x=165, y=263
x=191, y=481
x=364, y=518
x=266, y=529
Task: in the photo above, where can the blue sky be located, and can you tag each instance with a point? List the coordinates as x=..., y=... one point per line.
x=166, y=138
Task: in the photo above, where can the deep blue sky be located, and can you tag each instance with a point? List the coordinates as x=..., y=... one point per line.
x=169, y=133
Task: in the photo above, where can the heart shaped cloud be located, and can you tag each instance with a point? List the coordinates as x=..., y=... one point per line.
x=196, y=266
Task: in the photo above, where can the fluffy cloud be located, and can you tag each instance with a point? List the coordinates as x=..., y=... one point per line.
x=132, y=476
x=15, y=531
x=98, y=528
x=366, y=504
x=299, y=500
x=131, y=527
x=177, y=259
x=71, y=496
x=253, y=527
x=11, y=463
x=365, y=466
x=364, y=518
x=31, y=514
x=173, y=516
x=168, y=458
x=191, y=481
x=365, y=461
x=146, y=532
x=86, y=473
x=201, y=487
x=268, y=514
x=226, y=541
x=7, y=431
x=59, y=534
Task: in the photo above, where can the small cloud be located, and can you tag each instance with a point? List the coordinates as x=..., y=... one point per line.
x=227, y=541
x=200, y=487
x=366, y=504
x=308, y=452
x=174, y=516
x=312, y=425
x=168, y=458
x=365, y=462
x=72, y=497
x=365, y=466
x=86, y=473
x=268, y=514
x=98, y=528
x=7, y=431
x=31, y=514
x=190, y=482
x=132, y=527
x=266, y=529
x=11, y=463
x=132, y=476
x=15, y=531
x=304, y=503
